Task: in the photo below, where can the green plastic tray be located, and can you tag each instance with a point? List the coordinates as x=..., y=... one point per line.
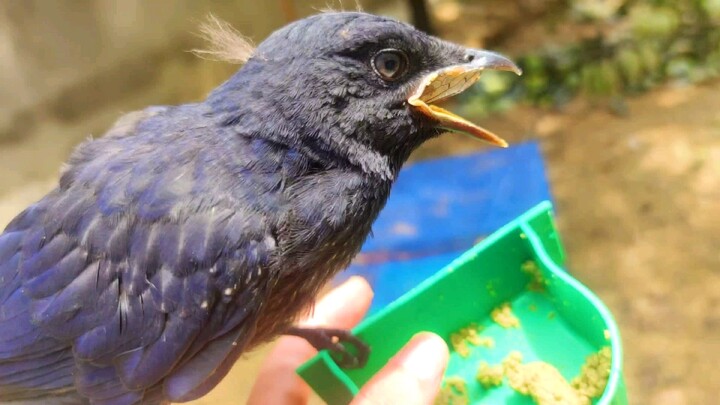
x=561, y=326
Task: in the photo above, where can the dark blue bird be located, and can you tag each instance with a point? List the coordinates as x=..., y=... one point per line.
x=190, y=234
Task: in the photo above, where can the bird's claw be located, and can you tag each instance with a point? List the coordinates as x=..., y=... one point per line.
x=338, y=343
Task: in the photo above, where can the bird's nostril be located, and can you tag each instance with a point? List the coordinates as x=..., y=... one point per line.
x=469, y=57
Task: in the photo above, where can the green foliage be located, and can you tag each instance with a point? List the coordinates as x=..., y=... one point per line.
x=639, y=45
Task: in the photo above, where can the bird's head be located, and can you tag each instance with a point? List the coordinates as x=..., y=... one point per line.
x=354, y=86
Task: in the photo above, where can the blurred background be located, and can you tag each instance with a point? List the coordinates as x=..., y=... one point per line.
x=622, y=96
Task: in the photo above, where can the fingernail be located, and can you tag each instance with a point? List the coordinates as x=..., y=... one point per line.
x=428, y=358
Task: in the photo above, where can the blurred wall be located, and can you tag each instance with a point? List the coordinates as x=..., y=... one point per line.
x=66, y=57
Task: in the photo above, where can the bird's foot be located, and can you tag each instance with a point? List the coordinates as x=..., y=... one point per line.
x=346, y=349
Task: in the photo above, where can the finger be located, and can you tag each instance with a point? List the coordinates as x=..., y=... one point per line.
x=343, y=307
x=412, y=377
x=277, y=382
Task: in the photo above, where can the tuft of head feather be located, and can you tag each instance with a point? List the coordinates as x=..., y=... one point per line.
x=225, y=43
x=332, y=9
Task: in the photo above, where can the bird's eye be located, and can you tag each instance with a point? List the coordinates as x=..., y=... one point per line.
x=390, y=64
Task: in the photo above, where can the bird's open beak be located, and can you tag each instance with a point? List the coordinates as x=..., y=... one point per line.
x=452, y=80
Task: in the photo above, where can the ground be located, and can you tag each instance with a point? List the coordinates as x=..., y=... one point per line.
x=638, y=204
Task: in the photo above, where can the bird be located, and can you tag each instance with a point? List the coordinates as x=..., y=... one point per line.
x=190, y=234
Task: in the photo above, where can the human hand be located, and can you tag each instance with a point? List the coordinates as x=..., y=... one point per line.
x=413, y=376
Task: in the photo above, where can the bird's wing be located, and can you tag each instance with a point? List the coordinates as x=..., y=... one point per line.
x=130, y=280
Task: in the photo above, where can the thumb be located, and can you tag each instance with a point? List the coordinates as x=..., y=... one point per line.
x=412, y=377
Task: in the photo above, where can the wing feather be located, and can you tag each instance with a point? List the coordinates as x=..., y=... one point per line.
x=140, y=269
